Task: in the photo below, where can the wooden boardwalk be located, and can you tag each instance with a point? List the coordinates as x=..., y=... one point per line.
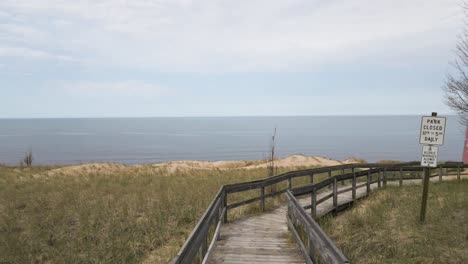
x=257, y=239
x=265, y=238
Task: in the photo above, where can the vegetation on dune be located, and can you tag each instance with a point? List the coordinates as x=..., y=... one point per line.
x=132, y=214
x=385, y=227
x=143, y=213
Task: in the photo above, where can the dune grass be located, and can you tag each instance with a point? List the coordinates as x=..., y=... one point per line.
x=385, y=227
x=130, y=215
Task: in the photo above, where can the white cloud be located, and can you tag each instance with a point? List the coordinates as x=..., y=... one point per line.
x=225, y=35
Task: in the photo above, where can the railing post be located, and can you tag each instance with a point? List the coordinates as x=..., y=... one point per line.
x=311, y=250
x=379, y=176
x=385, y=177
x=225, y=216
x=354, y=185
x=335, y=194
x=311, y=178
x=342, y=172
x=329, y=176
x=440, y=173
x=401, y=176
x=368, y=183
x=458, y=172
x=313, y=209
x=289, y=183
x=262, y=198
x=204, y=247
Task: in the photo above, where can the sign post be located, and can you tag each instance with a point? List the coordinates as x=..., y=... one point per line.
x=431, y=136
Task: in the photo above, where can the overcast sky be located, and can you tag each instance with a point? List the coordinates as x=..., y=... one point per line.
x=117, y=58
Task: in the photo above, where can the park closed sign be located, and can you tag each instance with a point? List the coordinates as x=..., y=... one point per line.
x=432, y=130
x=431, y=136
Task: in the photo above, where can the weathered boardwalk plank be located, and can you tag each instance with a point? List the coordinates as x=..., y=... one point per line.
x=257, y=239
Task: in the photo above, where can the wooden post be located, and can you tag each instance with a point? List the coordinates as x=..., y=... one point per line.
x=289, y=183
x=401, y=176
x=427, y=174
x=313, y=210
x=310, y=248
x=458, y=172
x=440, y=173
x=204, y=247
x=343, y=182
x=385, y=177
x=311, y=178
x=262, y=199
x=329, y=176
x=368, y=183
x=354, y=186
x=225, y=216
x=335, y=194
x=379, y=176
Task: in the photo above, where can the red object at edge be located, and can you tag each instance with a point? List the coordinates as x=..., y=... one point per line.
x=465, y=148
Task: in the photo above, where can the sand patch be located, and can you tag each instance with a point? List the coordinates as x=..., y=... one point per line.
x=88, y=168
x=291, y=161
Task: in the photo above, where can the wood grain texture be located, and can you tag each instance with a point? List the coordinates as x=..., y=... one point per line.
x=257, y=239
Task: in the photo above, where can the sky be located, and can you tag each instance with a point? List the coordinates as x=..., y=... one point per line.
x=141, y=58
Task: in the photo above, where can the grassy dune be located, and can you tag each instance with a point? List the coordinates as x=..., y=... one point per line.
x=385, y=228
x=113, y=215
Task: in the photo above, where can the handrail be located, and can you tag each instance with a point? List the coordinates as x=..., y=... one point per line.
x=196, y=245
x=197, y=242
x=317, y=243
x=303, y=225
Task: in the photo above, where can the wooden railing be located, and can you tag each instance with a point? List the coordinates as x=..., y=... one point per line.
x=313, y=242
x=199, y=244
x=379, y=174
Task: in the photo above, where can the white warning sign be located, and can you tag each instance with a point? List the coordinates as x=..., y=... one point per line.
x=432, y=130
x=429, y=156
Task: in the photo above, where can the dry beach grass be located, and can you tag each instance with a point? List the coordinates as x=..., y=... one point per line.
x=385, y=228
x=110, y=213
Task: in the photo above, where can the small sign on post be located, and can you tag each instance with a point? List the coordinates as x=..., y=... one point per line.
x=429, y=156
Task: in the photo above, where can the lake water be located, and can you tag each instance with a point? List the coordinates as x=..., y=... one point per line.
x=142, y=140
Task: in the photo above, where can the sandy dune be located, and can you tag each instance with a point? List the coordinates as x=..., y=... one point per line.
x=291, y=161
x=172, y=166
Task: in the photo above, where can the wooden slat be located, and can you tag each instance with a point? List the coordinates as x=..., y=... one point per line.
x=344, y=190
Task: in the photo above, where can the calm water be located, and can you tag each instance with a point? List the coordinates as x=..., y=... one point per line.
x=138, y=140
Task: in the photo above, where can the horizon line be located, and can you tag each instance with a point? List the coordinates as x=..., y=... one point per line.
x=228, y=116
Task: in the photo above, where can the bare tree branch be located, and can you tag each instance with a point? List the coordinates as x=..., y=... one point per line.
x=456, y=84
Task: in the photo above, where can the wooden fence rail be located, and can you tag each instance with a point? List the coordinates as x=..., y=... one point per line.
x=314, y=244
x=198, y=245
